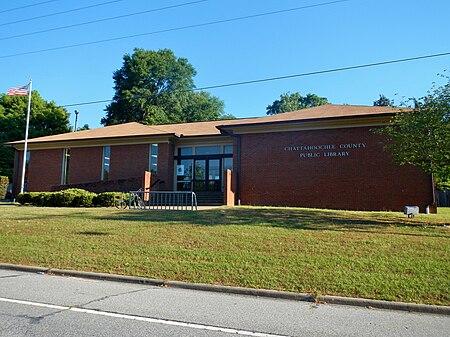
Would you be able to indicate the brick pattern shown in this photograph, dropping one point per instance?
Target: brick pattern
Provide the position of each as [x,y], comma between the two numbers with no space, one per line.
[119,185]
[129,161]
[127,166]
[18,155]
[165,166]
[45,169]
[366,179]
[85,165]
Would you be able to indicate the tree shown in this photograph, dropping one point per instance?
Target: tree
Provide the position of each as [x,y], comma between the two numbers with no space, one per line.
[291,102]
[84,127]
[383,101]
[420,136]
[45,119]
[156,87]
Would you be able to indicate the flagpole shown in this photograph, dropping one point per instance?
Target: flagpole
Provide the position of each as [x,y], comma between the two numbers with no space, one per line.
[25,149]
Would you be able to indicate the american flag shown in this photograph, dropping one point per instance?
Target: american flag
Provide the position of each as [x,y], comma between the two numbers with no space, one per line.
[20,91]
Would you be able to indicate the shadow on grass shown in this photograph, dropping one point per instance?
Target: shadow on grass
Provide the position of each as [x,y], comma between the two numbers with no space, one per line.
[93,233]
[290,218]
[305,219]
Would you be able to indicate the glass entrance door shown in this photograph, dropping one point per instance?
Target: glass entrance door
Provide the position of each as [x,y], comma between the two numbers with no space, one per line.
[207,175]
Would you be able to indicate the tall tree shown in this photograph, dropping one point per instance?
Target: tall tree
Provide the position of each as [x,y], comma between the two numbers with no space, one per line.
[45,119]
[421,135]
[383,101]
[295,101]
[156,87]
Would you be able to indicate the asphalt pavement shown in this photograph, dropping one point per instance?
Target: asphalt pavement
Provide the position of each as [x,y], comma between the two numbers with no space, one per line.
[38,304]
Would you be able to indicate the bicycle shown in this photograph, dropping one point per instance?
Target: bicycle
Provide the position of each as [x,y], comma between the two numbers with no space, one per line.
[120,201]
[129,200]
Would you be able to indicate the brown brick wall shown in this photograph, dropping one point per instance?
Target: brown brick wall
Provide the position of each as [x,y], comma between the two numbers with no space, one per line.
[18,155]
[165,166]
[44,170]
[129,161]
[120,185]
[128,164]
[366,179]
[85,164]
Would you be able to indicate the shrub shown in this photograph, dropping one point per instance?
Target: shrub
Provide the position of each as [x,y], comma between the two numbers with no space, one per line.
[66,198]
[24,198]
[4,181]
[105,199]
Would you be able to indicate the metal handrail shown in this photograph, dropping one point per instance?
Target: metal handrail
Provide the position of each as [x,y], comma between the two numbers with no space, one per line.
[167,200]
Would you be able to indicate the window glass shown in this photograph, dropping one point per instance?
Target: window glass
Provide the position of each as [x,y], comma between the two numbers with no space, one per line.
[154,158]
[200,169]
[228,149]
[202,150]
[186,151]
[106,162]
[184,175]
[214,169]
[65,167]
[227,163]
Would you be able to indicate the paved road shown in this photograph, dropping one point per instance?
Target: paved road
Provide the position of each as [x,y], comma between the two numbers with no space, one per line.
[42,305]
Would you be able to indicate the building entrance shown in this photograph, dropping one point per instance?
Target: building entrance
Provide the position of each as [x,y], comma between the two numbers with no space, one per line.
[207,175]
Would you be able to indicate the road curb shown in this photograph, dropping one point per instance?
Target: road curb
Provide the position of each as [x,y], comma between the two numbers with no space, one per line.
[31,269]
[325,299]
[380,304]
[106,277]
[242,291]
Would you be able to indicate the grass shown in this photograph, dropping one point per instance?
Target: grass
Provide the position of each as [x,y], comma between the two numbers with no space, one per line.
[379,255]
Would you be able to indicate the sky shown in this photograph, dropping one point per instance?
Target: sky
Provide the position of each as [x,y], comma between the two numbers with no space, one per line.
[302,37]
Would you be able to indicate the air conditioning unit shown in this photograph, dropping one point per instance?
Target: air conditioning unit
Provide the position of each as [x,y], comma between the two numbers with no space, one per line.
[410,211]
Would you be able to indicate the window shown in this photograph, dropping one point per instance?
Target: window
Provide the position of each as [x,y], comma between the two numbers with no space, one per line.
[106,162]
[153,158]
[186,151]
[184,175]
[65,167]
[199,150]
[228,149]
[228,163]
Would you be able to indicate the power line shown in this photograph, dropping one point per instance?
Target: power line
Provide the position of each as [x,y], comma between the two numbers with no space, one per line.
[318,72]
[59,13]
[175,29]
[32,5]
[102,20]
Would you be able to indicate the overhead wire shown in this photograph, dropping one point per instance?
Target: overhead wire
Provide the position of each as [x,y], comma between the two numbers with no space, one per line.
[240,18]
[102,20]
[59,13]
[26,6]
[318,72]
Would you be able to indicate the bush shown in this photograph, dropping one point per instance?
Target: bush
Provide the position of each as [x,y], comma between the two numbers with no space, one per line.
[73,197]
[4,181]
[105,199]
[24,198]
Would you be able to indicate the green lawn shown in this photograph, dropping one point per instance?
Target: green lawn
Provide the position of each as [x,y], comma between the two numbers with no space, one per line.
[380,255]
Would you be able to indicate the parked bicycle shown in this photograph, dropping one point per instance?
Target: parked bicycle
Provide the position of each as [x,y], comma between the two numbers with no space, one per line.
[131,200]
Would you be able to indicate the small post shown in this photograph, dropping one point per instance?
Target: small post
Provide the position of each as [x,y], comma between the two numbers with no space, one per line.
[76,120]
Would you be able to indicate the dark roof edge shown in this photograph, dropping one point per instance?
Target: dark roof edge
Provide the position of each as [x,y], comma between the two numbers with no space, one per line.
[387,114]
[20,142]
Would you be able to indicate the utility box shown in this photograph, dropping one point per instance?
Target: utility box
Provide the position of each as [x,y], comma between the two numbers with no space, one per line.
[410,211]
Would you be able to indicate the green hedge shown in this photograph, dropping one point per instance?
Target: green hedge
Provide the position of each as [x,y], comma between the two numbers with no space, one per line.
[73,197]
[4,181]
[105,199]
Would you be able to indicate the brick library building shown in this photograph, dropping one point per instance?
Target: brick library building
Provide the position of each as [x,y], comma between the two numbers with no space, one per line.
[322,157]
